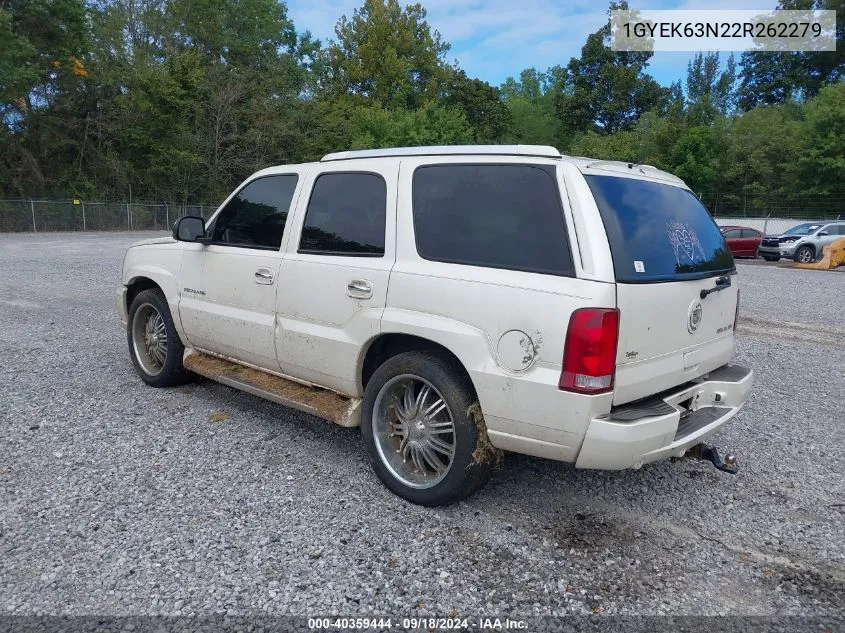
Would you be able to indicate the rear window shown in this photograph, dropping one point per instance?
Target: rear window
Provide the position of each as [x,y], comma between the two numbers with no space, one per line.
[497,216]
[658,232]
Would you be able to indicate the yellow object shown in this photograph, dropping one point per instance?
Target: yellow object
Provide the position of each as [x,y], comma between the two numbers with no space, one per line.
[833,255]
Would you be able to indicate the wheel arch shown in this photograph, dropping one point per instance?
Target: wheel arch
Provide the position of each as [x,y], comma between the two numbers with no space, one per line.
[389,344]
[140,276]
[136,286]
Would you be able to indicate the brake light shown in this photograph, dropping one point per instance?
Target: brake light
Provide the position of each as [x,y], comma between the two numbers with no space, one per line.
[589,355]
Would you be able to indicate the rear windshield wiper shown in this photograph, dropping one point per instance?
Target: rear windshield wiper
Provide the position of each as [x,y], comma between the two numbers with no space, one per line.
[721,283]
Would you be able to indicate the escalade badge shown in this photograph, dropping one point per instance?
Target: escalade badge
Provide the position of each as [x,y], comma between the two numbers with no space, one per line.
[694,318]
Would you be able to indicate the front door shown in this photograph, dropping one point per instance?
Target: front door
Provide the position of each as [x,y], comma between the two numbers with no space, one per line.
[228,287]
[333,278]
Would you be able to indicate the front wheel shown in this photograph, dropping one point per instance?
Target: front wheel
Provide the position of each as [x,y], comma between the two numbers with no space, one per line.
[423,431]
[805,255]
[154,344]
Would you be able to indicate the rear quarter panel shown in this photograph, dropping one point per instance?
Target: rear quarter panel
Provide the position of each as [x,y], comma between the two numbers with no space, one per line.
[469,309]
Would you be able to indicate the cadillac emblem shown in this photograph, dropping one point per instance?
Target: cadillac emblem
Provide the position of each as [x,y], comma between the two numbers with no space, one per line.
[694,317]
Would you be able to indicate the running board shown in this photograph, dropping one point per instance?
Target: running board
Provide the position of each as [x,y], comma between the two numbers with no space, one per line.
[322,403]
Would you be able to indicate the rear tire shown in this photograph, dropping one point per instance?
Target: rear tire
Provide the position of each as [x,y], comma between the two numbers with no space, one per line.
[771,258]
[419,431]
[805,255]
[154,344]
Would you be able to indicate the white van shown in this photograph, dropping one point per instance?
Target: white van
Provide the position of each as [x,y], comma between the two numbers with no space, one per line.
[455,302]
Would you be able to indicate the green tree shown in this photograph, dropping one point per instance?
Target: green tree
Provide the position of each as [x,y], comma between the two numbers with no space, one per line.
[607,91]
[430,125]
[481,105]
[388,54]
[42,46]
[531,102]
[769,78]
[821,159]
[709,92]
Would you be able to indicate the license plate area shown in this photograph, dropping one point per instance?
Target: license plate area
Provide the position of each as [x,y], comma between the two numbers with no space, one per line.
[685,407]
[686,402]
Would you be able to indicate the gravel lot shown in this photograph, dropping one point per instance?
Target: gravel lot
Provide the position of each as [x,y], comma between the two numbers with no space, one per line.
[120,499]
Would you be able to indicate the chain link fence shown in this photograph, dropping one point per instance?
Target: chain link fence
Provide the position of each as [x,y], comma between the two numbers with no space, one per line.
[80,215]
[768,226]
[768,213]
[776,205]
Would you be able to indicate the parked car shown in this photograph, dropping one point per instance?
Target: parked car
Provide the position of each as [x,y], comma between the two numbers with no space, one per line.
[742,240]
[455,302]
[803,242]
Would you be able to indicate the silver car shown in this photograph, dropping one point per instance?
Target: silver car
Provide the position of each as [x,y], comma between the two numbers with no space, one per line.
[803,243]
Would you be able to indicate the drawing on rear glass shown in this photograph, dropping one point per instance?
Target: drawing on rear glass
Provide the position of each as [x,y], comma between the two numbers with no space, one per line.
[684,242]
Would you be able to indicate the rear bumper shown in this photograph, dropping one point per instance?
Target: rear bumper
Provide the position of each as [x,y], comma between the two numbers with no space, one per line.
[653,429]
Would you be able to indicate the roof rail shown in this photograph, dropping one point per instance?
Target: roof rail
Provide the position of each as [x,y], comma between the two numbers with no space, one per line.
[545,151]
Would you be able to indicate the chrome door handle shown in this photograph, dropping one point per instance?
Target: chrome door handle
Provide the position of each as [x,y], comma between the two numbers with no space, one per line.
[359,289]
[264,276]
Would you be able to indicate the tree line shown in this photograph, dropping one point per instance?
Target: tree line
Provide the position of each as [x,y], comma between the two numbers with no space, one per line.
[182,99]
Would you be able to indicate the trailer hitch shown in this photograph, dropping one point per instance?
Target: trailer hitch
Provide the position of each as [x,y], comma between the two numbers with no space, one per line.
[709,453]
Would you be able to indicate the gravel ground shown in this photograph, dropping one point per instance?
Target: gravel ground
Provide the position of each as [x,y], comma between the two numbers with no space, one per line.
[120,499]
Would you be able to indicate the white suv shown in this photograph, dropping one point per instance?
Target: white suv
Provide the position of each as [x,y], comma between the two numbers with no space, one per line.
[455,302]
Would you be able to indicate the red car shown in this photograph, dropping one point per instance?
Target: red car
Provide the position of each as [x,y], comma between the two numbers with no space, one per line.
[742,241]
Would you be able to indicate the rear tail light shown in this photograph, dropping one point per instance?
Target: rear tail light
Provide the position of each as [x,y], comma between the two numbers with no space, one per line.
[589,355]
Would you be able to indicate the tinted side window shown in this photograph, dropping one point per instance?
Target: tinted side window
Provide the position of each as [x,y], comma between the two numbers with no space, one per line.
[256,216]
[732,234]
[346,215]
[499,216]
[836,229]
[750,233]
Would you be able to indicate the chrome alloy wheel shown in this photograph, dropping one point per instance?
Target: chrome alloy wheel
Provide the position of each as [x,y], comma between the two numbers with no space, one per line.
[149,339]
[414,431]
[805,255]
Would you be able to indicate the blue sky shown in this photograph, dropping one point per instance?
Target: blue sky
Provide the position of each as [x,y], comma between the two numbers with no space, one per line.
[495,39]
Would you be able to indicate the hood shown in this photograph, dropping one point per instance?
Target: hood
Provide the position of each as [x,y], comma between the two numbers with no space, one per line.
[783,237]
[155,240]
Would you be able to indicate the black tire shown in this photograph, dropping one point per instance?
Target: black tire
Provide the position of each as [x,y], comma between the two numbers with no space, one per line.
[465,475]
[770,258]
[171,372]
[809,251]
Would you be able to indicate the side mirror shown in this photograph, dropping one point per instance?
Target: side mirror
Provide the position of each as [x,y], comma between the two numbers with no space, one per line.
[823,233]
[189,228]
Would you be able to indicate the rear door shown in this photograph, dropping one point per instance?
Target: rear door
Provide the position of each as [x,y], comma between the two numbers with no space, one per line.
[751,240]
[333,279]
[676,284]
[733,237]
[834,232]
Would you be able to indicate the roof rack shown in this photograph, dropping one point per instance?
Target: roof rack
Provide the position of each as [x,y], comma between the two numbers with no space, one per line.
[621,165]
[545,151]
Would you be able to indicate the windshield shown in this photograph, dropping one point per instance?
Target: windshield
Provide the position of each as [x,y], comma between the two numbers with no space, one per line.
[658,232]
[803,229]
